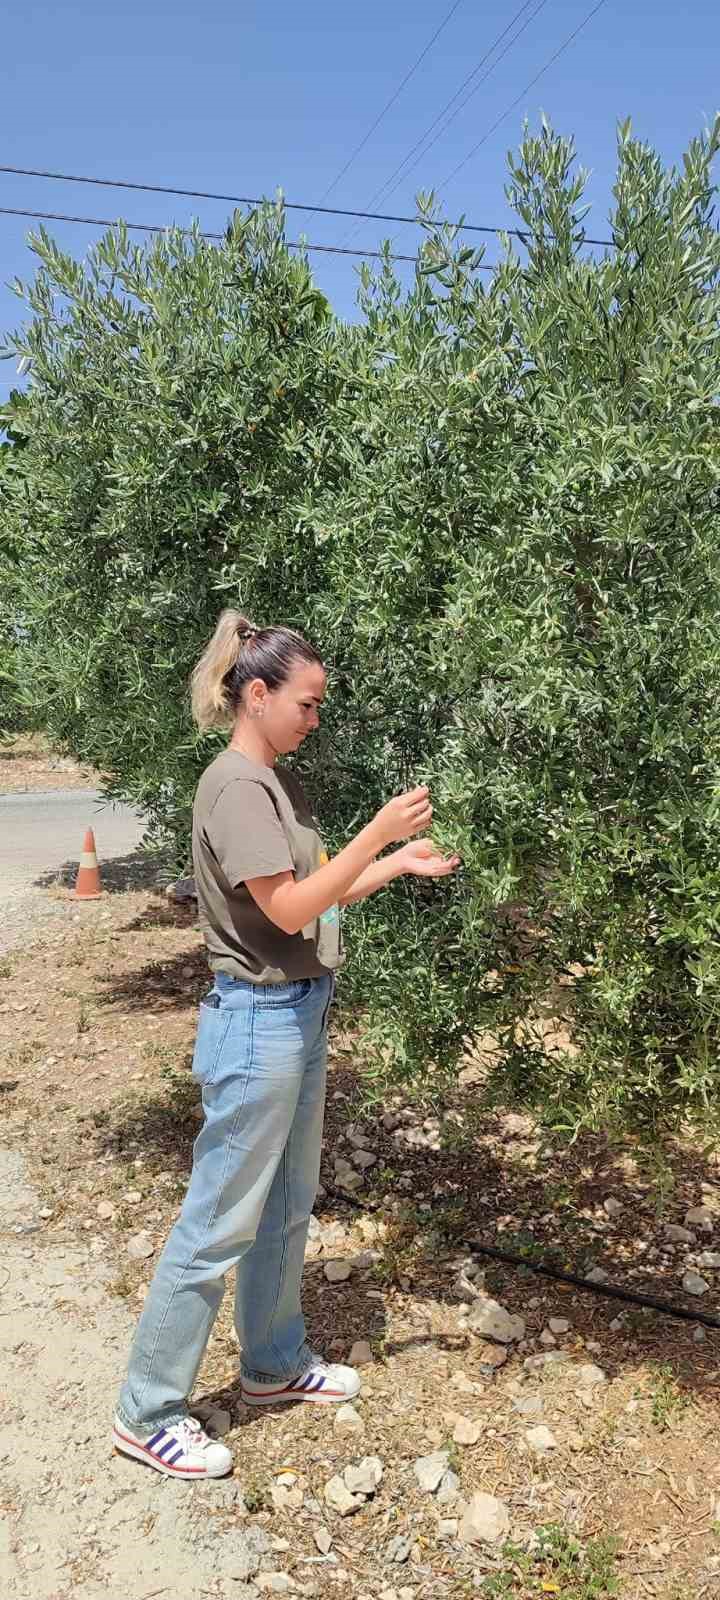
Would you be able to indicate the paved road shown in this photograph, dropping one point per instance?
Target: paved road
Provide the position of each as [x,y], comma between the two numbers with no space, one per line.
[41,836]
[43,833]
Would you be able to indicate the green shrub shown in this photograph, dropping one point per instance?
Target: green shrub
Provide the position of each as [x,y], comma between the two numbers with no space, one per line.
[494,504]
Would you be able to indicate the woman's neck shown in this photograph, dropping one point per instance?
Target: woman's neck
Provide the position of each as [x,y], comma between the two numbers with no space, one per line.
[249,741]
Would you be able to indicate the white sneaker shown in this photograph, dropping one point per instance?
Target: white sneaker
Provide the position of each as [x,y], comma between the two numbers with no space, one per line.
[322,1383]
[182,1450]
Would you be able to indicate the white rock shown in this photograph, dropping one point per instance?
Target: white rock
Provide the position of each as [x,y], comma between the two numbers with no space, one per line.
[361,1354]
[430,1470]
[449,1489]
[273,1582]
[598,1275]
[540,1439]
[46,1213]
[559,1325]
[323,1540]
[339,1498]
[678,1235]
[447,1528]
[546,1359]
[709,1258]
[139,1247]
[612,1207]
[346,1176]
[461,1381]
[529,1405]
[285,1499]
[365,1159]
[700,1217]
[347,1419]
[365,1477]
[492,1321]
[548,1338]
[106,1211]
[337,1271]
[467,1288]
[133,1197]
[587,1375]
[699,1336]
[485,1520]
[467,1430]
[693,1284]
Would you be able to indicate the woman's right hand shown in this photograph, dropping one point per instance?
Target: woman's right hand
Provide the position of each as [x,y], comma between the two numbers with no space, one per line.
[403,817]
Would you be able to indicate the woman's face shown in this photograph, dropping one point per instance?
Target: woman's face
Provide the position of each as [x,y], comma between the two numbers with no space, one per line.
[291,712]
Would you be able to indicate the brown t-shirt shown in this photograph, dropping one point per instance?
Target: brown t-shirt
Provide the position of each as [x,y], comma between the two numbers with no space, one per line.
[251,821]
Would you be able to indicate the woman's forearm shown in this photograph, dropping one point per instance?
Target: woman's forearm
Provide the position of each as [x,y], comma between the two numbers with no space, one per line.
[292,905]
[374,877]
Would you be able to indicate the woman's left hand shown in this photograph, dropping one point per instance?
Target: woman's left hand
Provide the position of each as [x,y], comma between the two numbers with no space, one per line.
[422,858]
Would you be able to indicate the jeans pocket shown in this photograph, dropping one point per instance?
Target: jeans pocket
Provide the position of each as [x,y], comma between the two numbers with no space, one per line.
[213,1024]
[329,1006]
[275,996]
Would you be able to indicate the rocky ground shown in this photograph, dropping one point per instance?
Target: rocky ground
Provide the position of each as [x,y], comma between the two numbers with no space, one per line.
[27,763]
[513,1437]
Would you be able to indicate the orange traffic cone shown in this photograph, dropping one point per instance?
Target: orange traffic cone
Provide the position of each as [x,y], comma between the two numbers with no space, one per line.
[87,886]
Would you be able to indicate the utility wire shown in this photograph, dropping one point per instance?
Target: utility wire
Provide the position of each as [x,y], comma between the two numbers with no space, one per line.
[391,101]
[398,175]
[146,227]
[562,48]
[246,200]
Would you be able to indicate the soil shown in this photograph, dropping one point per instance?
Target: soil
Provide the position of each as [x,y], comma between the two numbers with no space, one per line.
[96,1028]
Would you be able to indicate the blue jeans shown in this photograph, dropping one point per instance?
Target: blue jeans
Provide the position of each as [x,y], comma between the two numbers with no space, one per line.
[260,1056]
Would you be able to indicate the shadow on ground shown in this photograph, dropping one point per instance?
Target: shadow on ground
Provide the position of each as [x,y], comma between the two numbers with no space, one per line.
[118,873]
[486,1184]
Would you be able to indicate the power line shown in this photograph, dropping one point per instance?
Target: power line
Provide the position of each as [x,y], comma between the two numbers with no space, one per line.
[391,101]
[389,186]
[246,200]
[564,46]
[146,227]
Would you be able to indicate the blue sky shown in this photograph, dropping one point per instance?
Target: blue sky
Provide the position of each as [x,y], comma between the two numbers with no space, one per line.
[244,97]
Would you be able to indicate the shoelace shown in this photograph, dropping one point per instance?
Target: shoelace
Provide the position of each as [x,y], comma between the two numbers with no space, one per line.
[191,1433]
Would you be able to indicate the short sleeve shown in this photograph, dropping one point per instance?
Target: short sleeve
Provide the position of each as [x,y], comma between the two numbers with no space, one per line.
[245,833]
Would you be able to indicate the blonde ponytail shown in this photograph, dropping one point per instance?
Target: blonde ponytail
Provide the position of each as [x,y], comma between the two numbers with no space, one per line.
[210,698]
[237,653]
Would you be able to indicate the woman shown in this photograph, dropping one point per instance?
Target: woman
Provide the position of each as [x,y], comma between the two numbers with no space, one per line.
[269,904]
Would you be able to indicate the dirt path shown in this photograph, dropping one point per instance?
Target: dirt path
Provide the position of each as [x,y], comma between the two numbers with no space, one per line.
[77,1520]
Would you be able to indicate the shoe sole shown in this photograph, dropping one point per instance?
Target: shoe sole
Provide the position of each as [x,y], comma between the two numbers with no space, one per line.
[138,1452]
[283,1398]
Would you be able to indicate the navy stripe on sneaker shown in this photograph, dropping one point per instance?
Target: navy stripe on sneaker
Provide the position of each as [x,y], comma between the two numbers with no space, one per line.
[168,1445]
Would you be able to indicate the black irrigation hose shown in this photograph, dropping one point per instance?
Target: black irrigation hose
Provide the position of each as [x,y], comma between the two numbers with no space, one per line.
[609,1290]
[544,1270]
